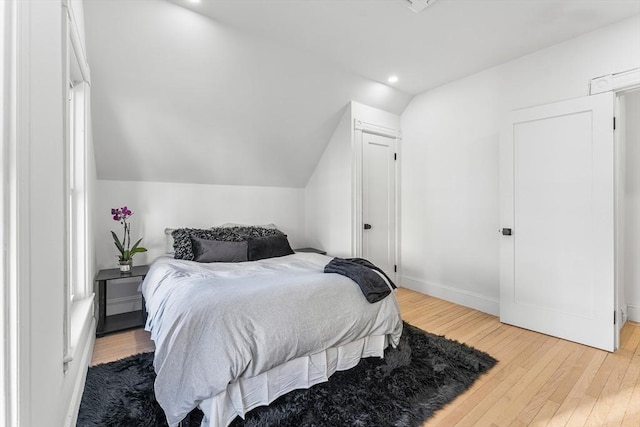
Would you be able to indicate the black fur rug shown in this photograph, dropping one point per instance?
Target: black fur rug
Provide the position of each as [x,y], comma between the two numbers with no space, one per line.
[414,380]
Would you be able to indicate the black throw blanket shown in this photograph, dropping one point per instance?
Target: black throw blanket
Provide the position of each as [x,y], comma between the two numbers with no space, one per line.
[361,271]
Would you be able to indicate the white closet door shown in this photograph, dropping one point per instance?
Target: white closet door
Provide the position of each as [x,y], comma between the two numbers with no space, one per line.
[378,201]
[557,197]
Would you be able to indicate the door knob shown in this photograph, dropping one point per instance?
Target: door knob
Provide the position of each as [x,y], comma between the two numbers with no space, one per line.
[367,226]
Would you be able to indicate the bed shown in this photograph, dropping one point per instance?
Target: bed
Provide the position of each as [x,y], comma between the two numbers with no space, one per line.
[231,336]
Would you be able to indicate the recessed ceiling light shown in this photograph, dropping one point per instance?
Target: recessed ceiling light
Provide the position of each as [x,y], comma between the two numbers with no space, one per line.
[392,79]
[419,5]
[194,1]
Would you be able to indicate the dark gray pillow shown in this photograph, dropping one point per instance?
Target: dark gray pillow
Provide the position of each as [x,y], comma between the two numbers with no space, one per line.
[182,237]
[205,250]
[268,247]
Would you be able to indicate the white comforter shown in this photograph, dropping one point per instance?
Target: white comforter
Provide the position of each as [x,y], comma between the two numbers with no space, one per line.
[213,323]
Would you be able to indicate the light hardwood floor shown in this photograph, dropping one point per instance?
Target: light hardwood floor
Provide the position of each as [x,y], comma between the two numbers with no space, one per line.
[539,380]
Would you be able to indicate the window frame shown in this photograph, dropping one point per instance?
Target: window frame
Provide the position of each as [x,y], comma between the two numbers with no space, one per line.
[78,289]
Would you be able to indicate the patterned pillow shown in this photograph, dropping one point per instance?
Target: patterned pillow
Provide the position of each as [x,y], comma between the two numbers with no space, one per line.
[182,237]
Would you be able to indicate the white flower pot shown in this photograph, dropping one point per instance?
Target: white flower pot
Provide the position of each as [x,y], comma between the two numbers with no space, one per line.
[125,266]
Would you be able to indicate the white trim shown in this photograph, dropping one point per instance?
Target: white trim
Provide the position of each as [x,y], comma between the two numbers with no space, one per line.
[458,296]
[8,319]
[87,338]
[74,35]
[356,191]
[619,224]
[67,56]
[376,129]
[617,82]
[124,304]
[85,212]
[81,316]
[20,211]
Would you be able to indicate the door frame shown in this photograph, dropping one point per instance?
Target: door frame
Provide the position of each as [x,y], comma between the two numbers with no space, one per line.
[360,128]
[618,83]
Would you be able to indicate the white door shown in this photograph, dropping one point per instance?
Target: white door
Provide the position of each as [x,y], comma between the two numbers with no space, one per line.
[378,201]
[557,197]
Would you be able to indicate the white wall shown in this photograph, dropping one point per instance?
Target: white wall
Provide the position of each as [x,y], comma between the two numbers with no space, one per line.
[158,205]
[329,194]
[450,211]
[46,394]
[631,128]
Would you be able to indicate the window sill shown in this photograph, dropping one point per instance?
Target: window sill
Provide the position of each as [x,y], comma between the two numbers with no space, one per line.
[81,318]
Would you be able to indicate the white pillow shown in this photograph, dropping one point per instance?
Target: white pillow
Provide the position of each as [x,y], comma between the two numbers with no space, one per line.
[168,241]
[231,224]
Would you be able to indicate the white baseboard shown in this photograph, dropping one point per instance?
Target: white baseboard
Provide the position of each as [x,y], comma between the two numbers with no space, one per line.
[454,295]
[124,304]
[633,313]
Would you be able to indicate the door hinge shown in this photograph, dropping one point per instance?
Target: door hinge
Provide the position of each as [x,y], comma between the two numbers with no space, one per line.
[395,268]
[614,317]
[395,156]
[614,123]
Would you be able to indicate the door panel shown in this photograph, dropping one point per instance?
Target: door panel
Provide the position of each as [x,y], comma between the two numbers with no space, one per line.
[378,201]
[557,194]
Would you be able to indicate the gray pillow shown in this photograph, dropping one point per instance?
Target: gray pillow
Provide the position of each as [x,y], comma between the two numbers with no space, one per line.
[268,247]
[205,250]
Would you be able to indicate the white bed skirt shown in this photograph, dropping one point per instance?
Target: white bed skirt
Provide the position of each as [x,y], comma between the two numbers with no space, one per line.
[248,393]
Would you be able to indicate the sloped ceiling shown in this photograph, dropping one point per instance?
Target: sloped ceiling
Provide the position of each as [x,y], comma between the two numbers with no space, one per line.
[243,92]
[179,97]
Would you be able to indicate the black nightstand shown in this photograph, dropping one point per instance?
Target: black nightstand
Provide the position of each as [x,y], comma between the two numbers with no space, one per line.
[312,250]
[117,322]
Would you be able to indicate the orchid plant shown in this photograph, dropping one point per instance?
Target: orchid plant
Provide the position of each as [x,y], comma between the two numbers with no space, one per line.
[127,251]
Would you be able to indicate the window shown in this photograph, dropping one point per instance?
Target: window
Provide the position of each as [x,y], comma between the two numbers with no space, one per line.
[78,289]
[76,189]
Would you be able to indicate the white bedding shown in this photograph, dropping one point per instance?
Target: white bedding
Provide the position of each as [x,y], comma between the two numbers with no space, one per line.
[216,323]
[247,393]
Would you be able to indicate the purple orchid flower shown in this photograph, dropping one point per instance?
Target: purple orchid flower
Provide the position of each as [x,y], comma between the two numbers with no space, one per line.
[126,251]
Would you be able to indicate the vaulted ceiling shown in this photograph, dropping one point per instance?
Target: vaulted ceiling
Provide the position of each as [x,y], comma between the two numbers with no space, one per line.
[249,92]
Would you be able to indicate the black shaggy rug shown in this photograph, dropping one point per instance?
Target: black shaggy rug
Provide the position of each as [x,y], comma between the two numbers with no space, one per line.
[414,380]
